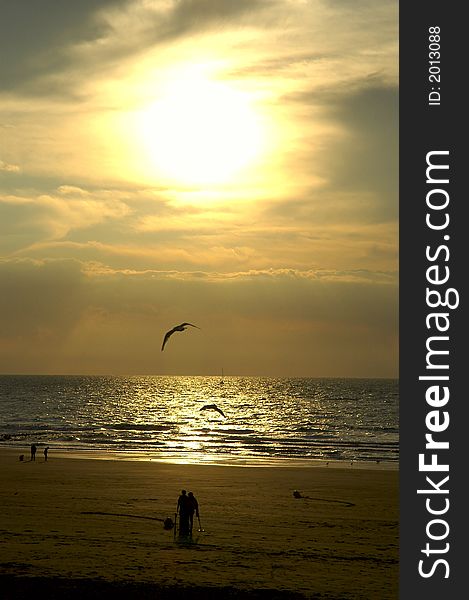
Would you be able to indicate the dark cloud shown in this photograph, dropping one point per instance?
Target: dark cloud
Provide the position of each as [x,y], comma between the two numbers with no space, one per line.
[63,316]
[36,37]
[40,296]
[34,34]
[369,161]
[360,168]
[188,15]
[20,226]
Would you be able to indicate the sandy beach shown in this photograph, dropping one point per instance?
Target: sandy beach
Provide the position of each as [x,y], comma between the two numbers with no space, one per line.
[80,527]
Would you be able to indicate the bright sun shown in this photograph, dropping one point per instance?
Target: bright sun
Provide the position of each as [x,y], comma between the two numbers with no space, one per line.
[199,131]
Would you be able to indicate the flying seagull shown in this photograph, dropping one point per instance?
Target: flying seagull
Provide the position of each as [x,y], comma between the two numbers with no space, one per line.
[180,327]
[213,407]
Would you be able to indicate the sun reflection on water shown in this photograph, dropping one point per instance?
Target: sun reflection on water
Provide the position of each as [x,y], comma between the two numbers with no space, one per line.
[266,419]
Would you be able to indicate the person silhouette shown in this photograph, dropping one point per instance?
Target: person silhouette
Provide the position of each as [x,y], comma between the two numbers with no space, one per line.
[46,450]
[183,508]
[33,451]
[193,506]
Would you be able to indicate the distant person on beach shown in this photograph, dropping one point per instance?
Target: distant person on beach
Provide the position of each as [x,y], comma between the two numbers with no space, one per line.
[33,451]
[183,508]
[193,506]
[46,450]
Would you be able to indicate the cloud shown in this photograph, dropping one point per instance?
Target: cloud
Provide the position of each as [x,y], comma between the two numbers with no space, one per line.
[369,161]
[355,165]
[43,45]
[9,168]
[97,54]
[292,271]
[30,220]
[66,316]
[50,47]
[141,229]
[189,15]
[34,37]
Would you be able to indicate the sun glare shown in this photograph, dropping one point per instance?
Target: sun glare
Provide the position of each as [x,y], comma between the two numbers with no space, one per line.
[199,131]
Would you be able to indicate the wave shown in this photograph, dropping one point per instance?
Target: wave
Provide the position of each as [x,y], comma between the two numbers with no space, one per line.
[265,417]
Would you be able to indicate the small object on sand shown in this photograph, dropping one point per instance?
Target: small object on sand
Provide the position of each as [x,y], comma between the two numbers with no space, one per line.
[21,457]
[296,494]
[168,523]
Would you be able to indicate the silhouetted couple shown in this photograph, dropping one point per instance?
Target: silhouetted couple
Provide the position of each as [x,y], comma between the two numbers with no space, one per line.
[34,450]
[186,507]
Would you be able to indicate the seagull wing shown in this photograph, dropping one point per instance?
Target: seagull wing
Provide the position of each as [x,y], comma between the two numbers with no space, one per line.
[186,324]
[212,407]
[166,337]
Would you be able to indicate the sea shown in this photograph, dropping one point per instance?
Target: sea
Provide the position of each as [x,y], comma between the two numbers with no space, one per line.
[262,420]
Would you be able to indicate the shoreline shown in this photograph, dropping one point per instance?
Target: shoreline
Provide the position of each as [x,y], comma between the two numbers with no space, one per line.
[228,461]
[98,524]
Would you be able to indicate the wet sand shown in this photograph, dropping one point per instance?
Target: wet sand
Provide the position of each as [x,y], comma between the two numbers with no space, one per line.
[78,527]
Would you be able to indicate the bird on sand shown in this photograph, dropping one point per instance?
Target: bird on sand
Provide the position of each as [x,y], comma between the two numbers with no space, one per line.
[181,327]
[213,407]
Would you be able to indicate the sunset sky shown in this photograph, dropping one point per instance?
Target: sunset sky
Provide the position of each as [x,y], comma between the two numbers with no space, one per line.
[231,163]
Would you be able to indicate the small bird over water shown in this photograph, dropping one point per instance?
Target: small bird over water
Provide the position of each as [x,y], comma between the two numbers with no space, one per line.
[213,407]
[181,327]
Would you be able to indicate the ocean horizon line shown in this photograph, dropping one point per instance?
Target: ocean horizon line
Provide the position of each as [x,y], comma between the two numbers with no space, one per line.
[214,375]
